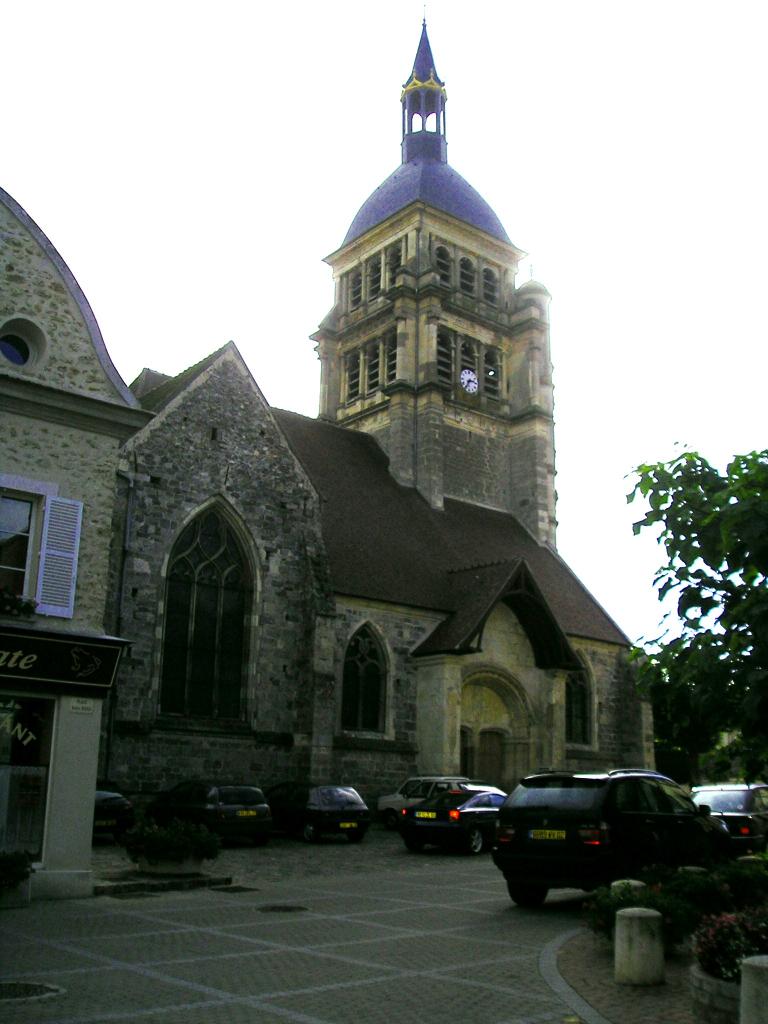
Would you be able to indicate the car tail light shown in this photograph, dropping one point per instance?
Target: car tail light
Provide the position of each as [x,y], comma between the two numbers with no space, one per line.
[592,835]
[454,814]
[504,834]
[745,830]
[404,811]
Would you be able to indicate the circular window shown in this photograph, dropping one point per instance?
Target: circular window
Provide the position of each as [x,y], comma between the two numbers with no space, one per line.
[22,343]
[15,349]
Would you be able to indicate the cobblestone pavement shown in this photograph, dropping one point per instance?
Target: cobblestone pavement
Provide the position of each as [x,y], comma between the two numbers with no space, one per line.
[323,934]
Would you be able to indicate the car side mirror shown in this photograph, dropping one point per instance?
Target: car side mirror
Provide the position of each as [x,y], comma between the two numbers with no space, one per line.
[703,810]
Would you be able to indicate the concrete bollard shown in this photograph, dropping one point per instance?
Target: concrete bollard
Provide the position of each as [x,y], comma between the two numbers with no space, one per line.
[638,955]
[630,883]
[754,990]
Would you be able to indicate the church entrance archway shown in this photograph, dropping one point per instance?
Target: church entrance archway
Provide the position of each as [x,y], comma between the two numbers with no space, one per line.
[495,731]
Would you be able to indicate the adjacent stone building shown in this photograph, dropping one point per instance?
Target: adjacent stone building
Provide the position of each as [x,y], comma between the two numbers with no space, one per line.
[64,412]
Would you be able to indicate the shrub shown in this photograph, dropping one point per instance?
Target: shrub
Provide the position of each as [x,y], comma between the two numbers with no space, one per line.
[722,942]
[15,868]
[679,917]
[178,841]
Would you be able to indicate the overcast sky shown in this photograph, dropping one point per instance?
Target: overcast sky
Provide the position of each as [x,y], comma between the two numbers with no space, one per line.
[194,162]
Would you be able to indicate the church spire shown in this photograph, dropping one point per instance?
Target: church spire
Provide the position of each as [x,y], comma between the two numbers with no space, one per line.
[423,100]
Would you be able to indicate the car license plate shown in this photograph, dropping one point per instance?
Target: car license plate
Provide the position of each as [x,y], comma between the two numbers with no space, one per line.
[546,833]
[425,814]
[105,822]
[347,824]
[247,814]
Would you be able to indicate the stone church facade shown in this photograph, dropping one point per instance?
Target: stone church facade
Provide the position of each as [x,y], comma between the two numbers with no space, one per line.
[377,591]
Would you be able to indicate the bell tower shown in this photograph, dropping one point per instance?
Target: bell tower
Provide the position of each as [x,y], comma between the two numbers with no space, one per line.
[430,345]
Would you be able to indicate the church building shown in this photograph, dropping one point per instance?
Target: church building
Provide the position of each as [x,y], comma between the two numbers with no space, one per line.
[377,591]
[353,598]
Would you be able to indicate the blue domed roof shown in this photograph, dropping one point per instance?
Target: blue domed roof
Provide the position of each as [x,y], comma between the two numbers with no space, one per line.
[432,182]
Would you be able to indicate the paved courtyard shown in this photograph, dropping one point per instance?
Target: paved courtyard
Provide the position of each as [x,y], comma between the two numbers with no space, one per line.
[313,934]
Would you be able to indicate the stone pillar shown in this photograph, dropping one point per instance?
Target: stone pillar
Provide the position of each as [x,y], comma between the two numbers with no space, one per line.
[754,990]
[638,947]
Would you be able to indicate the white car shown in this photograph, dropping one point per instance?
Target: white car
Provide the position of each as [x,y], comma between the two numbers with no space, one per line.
[413,791]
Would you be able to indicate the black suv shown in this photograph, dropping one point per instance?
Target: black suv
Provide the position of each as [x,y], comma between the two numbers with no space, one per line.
[562,830]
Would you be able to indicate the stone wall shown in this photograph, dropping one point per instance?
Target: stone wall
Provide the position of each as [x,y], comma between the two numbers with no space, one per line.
[82,466]
[32,287]
[218,443]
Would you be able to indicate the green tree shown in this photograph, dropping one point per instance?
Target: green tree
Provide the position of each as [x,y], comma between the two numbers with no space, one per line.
[712,676]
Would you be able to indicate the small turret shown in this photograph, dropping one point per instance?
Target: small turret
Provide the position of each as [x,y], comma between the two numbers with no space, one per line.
[423,99]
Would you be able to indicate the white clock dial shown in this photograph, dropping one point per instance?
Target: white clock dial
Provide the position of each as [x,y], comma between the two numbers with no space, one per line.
[468,380]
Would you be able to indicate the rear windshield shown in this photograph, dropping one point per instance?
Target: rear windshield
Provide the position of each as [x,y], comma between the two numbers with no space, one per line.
[452,798]
[247,795]
[562,794]
[722,800]
[335,796]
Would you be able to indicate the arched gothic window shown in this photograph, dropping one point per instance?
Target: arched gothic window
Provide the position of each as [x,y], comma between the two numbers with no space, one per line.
[207,599]
[362,701]
[577,709]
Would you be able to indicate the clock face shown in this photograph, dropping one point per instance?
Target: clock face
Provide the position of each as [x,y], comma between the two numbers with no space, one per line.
[468,380]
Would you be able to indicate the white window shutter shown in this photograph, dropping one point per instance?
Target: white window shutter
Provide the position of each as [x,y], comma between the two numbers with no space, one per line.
[58,557]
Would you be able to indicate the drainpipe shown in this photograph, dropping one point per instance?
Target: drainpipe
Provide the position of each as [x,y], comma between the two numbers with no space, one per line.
[127,530]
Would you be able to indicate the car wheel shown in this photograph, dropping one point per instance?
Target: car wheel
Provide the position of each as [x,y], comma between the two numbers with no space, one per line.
[390,819]
[414,845]
[527,895]
[310,833]
[475,841]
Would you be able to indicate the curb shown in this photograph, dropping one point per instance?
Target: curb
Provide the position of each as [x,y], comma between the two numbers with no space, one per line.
[148,884]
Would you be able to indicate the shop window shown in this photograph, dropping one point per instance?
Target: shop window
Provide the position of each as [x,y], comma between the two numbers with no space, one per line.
[374,277]
[353,376]
[355,289]
[390,349]
[467,276]
[443,264]
[577,709]
[362,707]
[444,356]
[373,366]
[491,375]
[490,286]
[26,730]
[39,546]
[207,600]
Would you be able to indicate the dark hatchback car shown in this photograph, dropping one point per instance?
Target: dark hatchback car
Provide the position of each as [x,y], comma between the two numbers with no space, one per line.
[312,811]
[233,811]
[113,815]
[463,817]
[743,807]
[562,830]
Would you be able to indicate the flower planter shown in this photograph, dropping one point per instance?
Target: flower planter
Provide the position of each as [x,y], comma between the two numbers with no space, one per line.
[190,866]
[714,1001]
[17,896]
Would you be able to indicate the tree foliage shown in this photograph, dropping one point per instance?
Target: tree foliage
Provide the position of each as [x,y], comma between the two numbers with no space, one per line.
[713,676]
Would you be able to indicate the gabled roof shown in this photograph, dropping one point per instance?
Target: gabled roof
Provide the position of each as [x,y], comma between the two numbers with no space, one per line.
[386,543]
[167,388]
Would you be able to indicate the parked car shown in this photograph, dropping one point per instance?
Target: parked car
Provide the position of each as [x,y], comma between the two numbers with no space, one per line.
[744,809]
[463,817]
[311,811]
[569,830]
[232,810]
[113,814]
[413,791]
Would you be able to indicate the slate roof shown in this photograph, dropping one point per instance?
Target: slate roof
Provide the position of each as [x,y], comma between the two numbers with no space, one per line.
[386,543]
[434,183]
